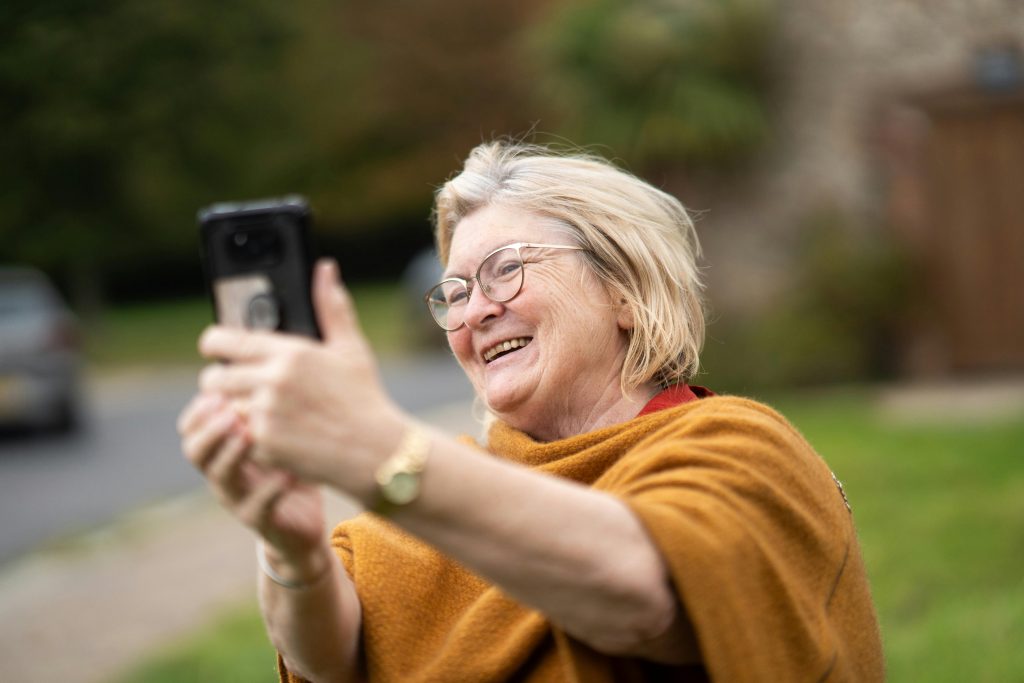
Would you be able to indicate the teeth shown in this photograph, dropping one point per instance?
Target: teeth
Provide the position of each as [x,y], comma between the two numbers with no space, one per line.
[501,347]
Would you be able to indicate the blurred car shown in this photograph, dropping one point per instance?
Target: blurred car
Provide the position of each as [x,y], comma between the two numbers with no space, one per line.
[421,273]
[40,353]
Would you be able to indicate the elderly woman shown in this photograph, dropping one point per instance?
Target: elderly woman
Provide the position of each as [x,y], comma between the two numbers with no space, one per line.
[616,525]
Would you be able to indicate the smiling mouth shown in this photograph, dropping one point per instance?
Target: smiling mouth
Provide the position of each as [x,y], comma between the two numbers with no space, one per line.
[505,348]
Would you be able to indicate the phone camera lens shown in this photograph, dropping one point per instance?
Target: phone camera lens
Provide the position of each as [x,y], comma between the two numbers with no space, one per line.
[253,246]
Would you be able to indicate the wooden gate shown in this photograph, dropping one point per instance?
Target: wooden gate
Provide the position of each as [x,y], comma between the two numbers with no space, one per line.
[957,192]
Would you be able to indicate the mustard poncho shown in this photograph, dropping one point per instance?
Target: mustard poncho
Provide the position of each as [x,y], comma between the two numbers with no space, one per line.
[758,538]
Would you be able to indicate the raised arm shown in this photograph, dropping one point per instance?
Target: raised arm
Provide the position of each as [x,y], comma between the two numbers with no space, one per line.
[311,611]
[578,556]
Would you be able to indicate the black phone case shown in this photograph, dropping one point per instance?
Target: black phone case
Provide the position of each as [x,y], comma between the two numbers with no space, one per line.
[258,261]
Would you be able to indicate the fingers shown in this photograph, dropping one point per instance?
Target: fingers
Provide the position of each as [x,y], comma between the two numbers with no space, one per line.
[257,508]
[199,406]
[233,380]
[216,442]
[201,442]
[219,450]
[234,344]
[335,313]
[222,470]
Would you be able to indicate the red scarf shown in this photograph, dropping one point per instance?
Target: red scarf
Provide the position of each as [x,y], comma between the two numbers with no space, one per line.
[675,395]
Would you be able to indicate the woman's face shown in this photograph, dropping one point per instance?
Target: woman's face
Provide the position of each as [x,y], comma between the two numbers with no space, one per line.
[575,344]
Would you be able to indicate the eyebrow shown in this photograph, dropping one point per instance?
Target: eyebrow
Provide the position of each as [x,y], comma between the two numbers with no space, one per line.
[447,275]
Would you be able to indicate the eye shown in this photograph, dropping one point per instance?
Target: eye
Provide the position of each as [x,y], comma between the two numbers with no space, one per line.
[503,268]
[509,268]
[448,293]
[456,296]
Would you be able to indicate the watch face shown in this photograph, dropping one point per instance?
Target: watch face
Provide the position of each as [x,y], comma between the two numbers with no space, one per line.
[402,488]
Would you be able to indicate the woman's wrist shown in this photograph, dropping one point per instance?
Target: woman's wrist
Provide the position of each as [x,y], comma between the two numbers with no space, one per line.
[295,573]
[389,432]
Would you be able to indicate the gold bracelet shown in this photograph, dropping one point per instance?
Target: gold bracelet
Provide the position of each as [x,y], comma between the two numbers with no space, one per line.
[398,477]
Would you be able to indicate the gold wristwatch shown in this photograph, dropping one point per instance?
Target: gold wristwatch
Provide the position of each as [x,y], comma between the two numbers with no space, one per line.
[398,477]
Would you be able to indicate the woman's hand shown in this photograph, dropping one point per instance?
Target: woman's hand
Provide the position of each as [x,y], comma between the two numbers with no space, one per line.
[315,409]
[286,512]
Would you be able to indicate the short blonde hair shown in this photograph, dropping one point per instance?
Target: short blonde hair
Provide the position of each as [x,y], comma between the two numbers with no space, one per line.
[639,241]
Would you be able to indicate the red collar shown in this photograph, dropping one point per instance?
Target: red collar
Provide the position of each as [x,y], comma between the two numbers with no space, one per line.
[675,395]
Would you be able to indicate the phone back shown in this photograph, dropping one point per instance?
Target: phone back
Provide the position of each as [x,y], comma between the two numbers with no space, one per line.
[257,257]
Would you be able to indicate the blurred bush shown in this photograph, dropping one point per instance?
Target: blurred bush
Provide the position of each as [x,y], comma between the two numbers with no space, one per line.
[659,82]
[121,119]
[839,319]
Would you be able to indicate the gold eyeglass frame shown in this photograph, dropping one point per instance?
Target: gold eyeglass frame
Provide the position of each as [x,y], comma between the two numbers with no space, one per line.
[518,247]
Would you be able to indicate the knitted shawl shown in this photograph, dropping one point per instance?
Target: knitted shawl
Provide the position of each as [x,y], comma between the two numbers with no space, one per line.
[758,538]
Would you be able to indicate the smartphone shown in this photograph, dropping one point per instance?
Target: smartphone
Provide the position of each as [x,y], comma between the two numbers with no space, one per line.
[258,262]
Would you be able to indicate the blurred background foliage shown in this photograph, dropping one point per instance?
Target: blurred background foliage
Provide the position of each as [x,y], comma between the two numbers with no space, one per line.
[838,320]
[121,119]
[660,82]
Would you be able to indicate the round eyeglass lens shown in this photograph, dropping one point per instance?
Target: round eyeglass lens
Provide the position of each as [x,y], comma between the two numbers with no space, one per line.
[501,275]
[441,300]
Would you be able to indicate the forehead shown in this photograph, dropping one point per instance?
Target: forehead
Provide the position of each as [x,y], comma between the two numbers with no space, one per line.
[491,227]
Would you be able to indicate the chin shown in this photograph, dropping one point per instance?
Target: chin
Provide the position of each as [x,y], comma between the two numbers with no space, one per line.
[505,401]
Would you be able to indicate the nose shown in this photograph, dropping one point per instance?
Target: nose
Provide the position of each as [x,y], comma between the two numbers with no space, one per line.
[479,308]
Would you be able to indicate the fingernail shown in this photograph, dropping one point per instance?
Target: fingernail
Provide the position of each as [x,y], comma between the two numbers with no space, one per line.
[330,266]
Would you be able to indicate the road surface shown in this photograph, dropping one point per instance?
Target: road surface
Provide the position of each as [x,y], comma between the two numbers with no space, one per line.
[128,455]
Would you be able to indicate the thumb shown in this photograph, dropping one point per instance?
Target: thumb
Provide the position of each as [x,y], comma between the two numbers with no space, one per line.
[335,313]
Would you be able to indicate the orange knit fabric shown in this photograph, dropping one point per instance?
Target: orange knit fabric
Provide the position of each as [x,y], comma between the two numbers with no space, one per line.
[760,545]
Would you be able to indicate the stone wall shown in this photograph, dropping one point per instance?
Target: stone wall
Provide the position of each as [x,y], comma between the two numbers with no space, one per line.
[839,63]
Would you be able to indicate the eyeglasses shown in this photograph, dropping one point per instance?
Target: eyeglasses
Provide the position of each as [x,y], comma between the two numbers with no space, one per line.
[500,276]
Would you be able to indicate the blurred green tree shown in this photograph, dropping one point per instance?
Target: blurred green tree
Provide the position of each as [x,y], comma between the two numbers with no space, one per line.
[659,81]
[431,79]
[121,118]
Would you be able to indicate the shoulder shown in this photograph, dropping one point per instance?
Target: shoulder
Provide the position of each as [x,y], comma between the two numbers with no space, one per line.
[728,408]
[729,449]
[728,421]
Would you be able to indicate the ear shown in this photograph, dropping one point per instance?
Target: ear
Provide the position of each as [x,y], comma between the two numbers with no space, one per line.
[625,317]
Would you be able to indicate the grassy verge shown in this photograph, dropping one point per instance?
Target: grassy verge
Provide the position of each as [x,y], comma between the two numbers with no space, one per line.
[165,333]
[940,510]
[233,649]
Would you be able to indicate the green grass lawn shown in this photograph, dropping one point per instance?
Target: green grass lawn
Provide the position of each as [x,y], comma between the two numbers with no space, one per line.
[233,649]
[940,510]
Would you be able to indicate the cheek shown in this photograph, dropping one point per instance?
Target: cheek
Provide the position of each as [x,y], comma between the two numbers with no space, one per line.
[461,345]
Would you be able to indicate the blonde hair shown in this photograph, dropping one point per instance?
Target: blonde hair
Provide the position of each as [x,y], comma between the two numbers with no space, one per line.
[639,241]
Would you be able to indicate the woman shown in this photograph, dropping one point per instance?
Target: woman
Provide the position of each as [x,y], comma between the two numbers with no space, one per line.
[630,528]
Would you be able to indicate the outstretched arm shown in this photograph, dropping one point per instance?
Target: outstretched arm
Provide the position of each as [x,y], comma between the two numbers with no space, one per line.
[577,555]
